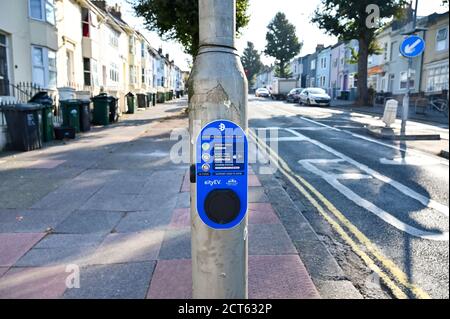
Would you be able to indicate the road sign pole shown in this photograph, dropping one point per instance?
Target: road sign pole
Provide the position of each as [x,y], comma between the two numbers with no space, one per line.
[218,91]
[406,99]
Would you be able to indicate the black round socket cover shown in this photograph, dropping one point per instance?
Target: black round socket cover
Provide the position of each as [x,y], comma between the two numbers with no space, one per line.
[222,206]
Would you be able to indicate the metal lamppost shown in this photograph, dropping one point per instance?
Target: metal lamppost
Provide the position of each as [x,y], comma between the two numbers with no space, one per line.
[217,91]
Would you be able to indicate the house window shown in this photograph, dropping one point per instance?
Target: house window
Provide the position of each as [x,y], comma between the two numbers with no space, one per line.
[86,22]
[404,79]
[114,38]
[114,73]
[385,51]
[143,76]
[437,79]
[142,49]
[43,67]
[43,10]
[87,71]
[442,39]
[313,64]
[133,76]
[132,45]
[391,56]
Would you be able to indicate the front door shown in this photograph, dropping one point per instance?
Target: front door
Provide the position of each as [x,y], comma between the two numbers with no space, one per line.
[4,83]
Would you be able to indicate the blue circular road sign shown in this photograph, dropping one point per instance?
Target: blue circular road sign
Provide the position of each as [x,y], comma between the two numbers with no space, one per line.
[412,46]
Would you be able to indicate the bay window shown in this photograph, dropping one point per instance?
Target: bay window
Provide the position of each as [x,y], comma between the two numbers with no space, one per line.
[43,10]
[43,67]
[437,78]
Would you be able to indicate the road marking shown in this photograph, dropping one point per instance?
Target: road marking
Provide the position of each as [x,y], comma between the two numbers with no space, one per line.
[409,160]
[396,272]
[398,148]
[284,139]
[427,202]
[382,214]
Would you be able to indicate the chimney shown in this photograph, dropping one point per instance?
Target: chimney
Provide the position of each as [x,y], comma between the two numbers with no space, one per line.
[116,11]
[167,56]
[160,51]
[320,47]
[101,4]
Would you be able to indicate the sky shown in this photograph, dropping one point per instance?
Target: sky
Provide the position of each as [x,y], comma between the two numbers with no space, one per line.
[261,12]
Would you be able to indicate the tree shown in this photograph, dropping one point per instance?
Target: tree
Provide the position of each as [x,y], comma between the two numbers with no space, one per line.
[178,19]
[282,43]
[251,60]
[358,19]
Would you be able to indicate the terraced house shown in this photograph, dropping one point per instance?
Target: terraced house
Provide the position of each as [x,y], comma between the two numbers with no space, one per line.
[77,48]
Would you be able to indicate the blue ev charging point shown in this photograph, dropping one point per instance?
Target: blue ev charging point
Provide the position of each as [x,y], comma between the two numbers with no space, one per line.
[222,175]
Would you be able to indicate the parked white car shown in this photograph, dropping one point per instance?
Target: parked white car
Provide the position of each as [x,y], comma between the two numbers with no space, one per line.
[314,96]
[262,92]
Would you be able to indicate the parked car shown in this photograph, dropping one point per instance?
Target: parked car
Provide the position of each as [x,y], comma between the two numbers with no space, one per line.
[262,92]
[294,95]
[315,96]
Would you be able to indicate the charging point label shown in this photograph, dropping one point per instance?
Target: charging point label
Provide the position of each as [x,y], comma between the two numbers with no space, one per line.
[222,174]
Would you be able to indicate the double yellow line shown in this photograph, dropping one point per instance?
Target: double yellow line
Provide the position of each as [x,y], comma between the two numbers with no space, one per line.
[391,275]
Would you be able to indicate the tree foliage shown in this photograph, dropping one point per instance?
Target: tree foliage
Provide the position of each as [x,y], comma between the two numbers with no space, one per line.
[178,19]
[251,60]
[356,19]
[282,43]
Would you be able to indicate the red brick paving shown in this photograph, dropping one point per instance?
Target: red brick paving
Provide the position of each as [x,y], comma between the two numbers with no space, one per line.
[172,279]
[15,246]
[253,181]
[181,218]
[34,283]
[279,277]
[262,213]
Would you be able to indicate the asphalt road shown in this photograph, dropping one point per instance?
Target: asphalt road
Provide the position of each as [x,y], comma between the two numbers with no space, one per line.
[381,207]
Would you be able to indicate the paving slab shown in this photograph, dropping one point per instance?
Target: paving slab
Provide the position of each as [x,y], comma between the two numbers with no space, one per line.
[15,246]
[107,201]
[69,200]
[253,181]
[89,222]
[70,240]
[279,277]
[117,281]
[183,200]
[34,283]
[181,218]
[269,240]
[30,220]
[176,245]
[172,280]
[257,195]
[143,221]
[126,248]
[43,257]
[262,213]
[3,271]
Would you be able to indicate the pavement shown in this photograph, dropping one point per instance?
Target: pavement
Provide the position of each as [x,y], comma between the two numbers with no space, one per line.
[429,116]
[112,207]
[379,207]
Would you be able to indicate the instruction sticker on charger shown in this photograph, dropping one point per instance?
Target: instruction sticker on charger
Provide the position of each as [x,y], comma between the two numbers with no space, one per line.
[222,174]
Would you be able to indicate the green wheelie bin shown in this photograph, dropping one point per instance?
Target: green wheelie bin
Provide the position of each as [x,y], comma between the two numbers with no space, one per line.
[101,109]
[71,114]
[131,105]
[47,127]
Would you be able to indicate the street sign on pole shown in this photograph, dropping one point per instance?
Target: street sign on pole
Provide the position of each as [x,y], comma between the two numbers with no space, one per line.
[412,46]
